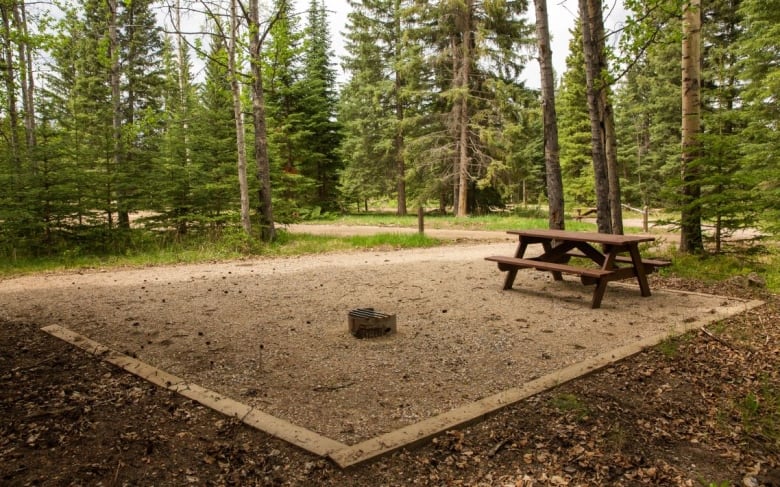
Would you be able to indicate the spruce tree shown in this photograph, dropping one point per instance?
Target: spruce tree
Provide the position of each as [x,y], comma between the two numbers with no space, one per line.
[285,97]
[760,73]
[141,102]
[214,187]
[574,127]
[320,161]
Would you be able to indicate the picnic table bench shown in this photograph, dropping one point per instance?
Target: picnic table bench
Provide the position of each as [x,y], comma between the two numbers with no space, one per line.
[559,246]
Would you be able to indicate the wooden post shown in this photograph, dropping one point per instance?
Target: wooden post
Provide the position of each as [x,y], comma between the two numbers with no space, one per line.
[420,220]
[645,219]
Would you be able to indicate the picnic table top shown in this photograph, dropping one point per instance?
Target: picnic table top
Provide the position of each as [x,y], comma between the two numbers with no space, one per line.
[574,236]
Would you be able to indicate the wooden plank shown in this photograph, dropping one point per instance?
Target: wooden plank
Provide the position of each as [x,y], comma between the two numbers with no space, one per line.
[509,262]
[594,237]
[479,410]
[279,428]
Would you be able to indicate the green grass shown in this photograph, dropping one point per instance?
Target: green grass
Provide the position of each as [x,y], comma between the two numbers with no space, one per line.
[713,268]
[569,403]
[149,248]
[143,251]
[760,412]
[496,222]
[670,346]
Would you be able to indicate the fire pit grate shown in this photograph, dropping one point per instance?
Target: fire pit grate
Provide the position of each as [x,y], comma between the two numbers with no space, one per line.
[367,323]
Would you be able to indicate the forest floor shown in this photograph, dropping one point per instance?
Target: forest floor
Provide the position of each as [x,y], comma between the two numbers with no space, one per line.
[700,409]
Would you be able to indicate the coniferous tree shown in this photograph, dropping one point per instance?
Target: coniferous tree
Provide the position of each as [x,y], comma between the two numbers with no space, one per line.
[141,102]
[214,141]
[172,172]
[727,199]
[473,43]
[759,51]
[320,161]
[649,106]
[285,105]
[379,102]
[576,156]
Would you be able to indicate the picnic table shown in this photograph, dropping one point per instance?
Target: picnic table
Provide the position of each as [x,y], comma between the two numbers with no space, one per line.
[616,257]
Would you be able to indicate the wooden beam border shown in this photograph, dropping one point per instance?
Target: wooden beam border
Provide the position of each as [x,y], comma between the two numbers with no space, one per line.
[348,456]
[279,428]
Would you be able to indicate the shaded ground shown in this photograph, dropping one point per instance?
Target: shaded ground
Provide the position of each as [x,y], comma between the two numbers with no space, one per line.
[697,410]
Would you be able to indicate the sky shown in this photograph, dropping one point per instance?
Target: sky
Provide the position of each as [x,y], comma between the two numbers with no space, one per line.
[561,17]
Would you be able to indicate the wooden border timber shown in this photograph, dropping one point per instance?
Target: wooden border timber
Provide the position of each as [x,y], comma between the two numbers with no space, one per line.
[279,428]
[479,410]
[348,456]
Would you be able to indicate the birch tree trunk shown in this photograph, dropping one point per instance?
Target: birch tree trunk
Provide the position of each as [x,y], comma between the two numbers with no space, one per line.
[265,212]
[551,147]
[690,227]
[238,114]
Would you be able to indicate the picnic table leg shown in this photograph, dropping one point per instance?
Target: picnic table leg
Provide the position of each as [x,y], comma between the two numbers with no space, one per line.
[511,274]
[598,293]
[547,246]
[639,268]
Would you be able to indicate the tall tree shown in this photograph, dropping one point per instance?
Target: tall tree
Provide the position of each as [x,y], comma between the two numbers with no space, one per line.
[727,189]
[285,99]
[576,157]
[141,84]
[760,73]
[551,147]
[321,162]
[257,35]
[690,229]
[214,139]
[385,66]
[238,110]
[476,42]
[649,103]
[609,212]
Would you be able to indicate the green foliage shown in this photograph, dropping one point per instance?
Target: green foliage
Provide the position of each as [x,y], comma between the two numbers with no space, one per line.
[711,268]
[759,69]
[574,128]
[670,346]
[570,403]
[759,411]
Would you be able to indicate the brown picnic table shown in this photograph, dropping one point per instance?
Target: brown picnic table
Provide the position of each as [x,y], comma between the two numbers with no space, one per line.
[616,257]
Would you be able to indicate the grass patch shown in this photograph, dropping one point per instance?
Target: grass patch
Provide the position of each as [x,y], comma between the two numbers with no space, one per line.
[760,413]
[570,403]
[713,268]
[145,251]
[495,222]
[670,346]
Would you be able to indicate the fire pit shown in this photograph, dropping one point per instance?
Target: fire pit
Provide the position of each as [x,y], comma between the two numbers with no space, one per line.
[367,323]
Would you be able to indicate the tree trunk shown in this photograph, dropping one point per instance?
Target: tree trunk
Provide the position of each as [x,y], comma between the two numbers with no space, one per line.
[400,158]
[238,113]
[593,76]
[613,173]
[690,226]
[27,81]
[551,147]
[265,213]
[462,103]
[10,88]
[123,216]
